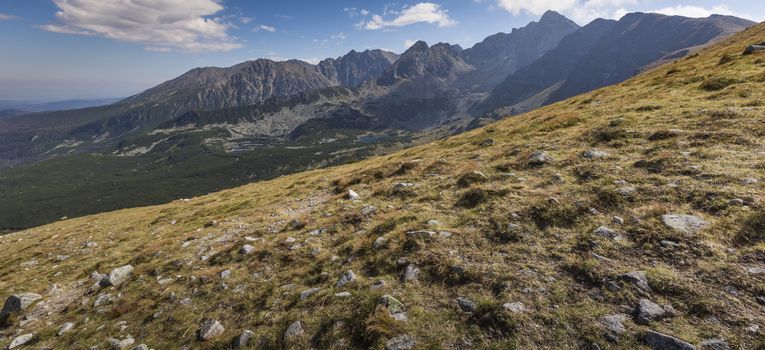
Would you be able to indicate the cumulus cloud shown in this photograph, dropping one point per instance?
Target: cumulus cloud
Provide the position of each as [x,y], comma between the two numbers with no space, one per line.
[5,17]
[581,11]
[424,12]
[698,11]
[161,25]
[264,27]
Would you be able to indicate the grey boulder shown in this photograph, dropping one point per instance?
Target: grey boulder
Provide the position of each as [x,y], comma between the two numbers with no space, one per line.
[659,341]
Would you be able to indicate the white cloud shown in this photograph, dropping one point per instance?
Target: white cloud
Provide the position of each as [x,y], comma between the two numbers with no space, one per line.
[581,11]
[264,27]
[5,17]
[184,25]
[698,11]
[245,19]
[424,12]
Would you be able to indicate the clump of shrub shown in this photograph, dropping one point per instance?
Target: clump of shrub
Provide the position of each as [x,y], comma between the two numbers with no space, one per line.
[753,229]
[725,58]
[471,178]
[495,320]
[717,83]
[553,214]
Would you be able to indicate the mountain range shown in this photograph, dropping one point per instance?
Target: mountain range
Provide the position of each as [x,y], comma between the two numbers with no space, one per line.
[214,128]
[630,217]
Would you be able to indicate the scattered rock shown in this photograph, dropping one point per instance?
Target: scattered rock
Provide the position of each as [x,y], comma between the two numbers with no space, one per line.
[295,329]
[685,224]
[715,344]
[141,347]
[648,311]
[307,293]
[638,278]
[21,341]
[755,271]
[593,154]
[659,341]
[466,305]
[753,329]
[749,181]
[347,277]
[247,249]
[102,300]
[225,274]
[17,303]
[116,344]
[617,220]
[410,273]
[539,158]
[65,328]
[391,304]
[669,244]
[605,232]
[117,276]
[753,48]
[487,143]
[210,329]
[614,323]
[402,342]
[516,307]
[368,210]
[343,294]
[243,339]
[379,243]
[352,195]
[420,234]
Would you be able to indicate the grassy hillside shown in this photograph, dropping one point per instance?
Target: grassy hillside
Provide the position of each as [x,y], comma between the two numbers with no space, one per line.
[555,231]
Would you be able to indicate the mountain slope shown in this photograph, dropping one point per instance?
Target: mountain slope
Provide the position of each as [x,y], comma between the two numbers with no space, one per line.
[605,52]
[616,219]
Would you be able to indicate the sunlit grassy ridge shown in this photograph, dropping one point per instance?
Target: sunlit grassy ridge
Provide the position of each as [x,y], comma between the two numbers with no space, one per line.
[686,138]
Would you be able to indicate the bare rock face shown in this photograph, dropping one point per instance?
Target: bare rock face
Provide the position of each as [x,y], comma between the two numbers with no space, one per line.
[210,329]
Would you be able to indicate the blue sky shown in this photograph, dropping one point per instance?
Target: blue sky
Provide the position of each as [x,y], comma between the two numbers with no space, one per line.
[62,49]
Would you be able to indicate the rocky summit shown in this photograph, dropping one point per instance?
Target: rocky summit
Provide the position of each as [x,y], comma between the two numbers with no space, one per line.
[628,217]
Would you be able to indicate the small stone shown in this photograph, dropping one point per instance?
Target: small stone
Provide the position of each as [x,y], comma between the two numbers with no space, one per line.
[659,341]
[685,224]
[225,274]
[756,270]
[466,305]
[20,341]
[247,249]
[210,329]
[715,344]
[435,223]
[352,195]
[116,344]
[243,339]
[749,181]
[368,210]
[402,342]
[669,244]
[638,278]
[141,347]
[648,311]
[516,307]
[379,243]
[102,300]
[539,158]
[617,220]
[343,294]
[614,323]
[117,276]
[605,232]
[65,328]
[307,293]
[379,284]
[593,154]
[290,240]
[487,143]
[391,304]
[294,330]
[347,277]
[737,202]
[753,329]
[410,273]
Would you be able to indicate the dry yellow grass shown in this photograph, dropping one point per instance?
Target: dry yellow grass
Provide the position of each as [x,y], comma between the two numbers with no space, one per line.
[684,138]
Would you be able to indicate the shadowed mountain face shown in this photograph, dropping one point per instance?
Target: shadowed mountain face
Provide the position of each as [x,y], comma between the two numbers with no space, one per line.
[214,128]
[607,52]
